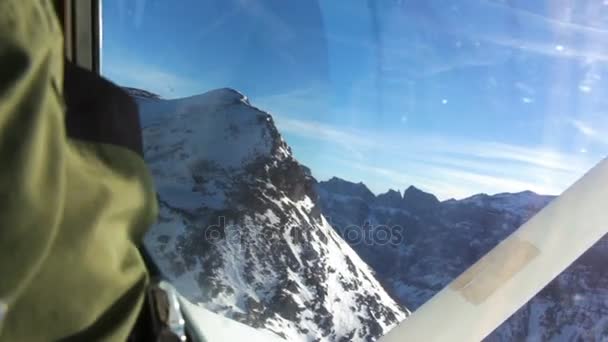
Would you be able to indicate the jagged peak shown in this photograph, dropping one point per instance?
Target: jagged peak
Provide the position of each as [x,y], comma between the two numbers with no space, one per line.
[344,187]
[338,180]
[220,117]
[391,193]
[523,200]
[141,93]
[413,191]
[230,93]
[220,96]
[412,188]
[416,199]
[475,197]
[391,198]
[503,195]
[526,193]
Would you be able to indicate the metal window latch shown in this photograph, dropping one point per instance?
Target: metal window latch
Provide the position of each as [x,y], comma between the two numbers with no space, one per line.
[168,323]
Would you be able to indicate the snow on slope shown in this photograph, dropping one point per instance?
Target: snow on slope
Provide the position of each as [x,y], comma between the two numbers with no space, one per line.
[213,327]
[240,230]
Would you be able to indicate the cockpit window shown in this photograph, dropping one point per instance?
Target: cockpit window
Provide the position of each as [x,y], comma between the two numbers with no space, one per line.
[324,168]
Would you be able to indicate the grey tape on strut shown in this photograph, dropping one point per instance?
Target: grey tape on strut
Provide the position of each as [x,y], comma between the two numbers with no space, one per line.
[494,269]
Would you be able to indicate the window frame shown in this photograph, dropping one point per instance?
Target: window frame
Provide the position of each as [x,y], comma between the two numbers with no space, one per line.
[82,27]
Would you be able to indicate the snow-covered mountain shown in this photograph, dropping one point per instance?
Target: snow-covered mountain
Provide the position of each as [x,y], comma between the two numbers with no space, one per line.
[240,230]
[433,242]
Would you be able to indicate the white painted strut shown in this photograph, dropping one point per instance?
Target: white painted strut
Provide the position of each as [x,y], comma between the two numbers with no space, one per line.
[506,278]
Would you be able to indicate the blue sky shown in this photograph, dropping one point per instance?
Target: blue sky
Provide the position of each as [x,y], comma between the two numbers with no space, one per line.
[455,97]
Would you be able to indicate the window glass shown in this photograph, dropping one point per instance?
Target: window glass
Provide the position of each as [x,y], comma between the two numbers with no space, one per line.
[325,167]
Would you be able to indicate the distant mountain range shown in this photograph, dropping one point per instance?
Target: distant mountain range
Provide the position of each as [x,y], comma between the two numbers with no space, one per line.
[436,241]
[248,233]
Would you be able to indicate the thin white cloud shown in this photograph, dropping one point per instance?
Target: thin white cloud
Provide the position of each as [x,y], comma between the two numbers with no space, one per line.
[547,48]
[485,150]
[584,88]
[401,180]
[313,102]
[584,128]
[525,88]
[152,78]
[589,45]
[593,134]
[396,49]
[282,30]
[538,157]
[554,24]
[209,27]
[448,167]
[356,144]
[492,184]
[398,63]
[447,182]
[311,98]
[320,131]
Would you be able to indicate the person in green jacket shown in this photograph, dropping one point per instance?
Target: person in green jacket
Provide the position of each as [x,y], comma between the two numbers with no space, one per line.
[76,196]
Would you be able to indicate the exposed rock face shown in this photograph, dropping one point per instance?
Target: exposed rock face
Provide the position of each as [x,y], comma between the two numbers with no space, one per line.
[419,201]
[241,232]
[390,199]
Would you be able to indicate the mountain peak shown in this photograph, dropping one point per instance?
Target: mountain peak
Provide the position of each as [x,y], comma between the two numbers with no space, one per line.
[215,98]
[412,189]
[224,171]
[219,126]
[391,199]
[343,187]
[393,191]
[418,200]
[229,93]
[524,201]
[141,93]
